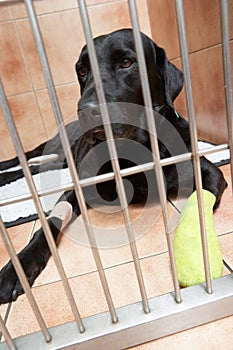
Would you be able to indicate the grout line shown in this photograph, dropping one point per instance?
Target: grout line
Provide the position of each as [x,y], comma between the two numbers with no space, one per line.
[112,2]
[72,9]
[141,258]
[21,48]
[33,90]
[26,64]
[225,233]
[43,89]
[25,17]
[130,261]
[218,44]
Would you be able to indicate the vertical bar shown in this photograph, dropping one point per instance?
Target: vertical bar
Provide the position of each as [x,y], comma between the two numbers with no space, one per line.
[37,203]
[23,280]
[154,143]
[193,133]
[6,335]
[67,150]
[112,149]
[227,76]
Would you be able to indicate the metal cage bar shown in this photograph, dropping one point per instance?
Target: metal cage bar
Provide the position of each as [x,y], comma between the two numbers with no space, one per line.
[154,144]
[164,315]
[112,150]
[38,206]
[67,150]
[136,327]
[23,280]
[193,134]
[227,75]
[110,176]
[7,336]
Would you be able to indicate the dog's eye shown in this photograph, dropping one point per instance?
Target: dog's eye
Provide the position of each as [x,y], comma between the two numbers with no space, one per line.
[126,63]
[82,71]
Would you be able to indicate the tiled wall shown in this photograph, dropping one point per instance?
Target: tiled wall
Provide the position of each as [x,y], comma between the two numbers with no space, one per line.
[63,37]
[205,54]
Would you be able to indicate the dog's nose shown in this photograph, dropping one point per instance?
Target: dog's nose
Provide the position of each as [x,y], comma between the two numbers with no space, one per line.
[90,120]
[91,109]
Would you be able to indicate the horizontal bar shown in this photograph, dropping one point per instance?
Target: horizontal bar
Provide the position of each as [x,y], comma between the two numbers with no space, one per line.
[166,318]
[110,176]
[28,196]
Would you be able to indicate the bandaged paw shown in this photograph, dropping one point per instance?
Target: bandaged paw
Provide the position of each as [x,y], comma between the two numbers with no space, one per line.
[63,211]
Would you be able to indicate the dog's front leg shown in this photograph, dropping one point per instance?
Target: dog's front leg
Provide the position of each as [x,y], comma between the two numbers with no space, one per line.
[35,255]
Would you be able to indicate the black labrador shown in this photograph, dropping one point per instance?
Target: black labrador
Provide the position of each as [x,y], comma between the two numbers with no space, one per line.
[119,72]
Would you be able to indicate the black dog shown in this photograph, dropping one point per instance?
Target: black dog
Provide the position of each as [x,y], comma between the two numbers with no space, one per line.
[120,76]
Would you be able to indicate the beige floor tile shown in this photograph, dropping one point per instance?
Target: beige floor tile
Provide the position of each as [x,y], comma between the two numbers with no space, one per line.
[54,306]
[89,294]
[123,282]
[76,259]
[77,256]
[151,239]
[120,272]
[5,14]
[19,236]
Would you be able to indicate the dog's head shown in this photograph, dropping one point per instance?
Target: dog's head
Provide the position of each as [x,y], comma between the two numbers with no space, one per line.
[122,86]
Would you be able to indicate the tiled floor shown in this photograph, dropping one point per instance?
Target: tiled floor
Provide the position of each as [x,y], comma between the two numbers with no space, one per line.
[80,268]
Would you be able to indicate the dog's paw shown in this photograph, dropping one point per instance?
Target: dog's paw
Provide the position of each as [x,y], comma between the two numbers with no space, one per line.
[10,286]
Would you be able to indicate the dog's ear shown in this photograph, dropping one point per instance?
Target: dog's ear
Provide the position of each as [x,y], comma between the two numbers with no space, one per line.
[171,75]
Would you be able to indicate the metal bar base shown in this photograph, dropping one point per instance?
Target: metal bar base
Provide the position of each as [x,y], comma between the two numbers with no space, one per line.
[136,327]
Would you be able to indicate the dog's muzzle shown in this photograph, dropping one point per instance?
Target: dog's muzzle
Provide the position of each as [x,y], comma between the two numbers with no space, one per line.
[125,121]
